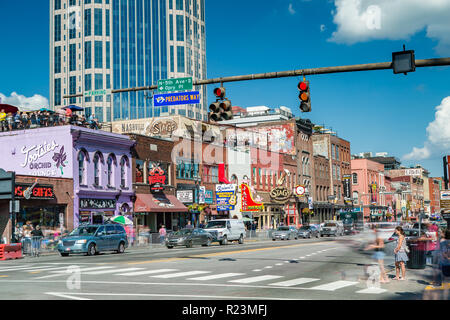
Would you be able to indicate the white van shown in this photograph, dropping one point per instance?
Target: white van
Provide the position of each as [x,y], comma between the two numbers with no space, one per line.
[224,230]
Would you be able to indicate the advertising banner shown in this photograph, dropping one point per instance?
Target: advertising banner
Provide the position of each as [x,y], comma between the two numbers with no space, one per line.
[225,197]
[247,202]
[185,196]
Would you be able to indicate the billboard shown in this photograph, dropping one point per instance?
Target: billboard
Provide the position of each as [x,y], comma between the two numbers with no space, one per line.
[225,197]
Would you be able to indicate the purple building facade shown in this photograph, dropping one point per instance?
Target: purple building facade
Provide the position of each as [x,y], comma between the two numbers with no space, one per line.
[96,163]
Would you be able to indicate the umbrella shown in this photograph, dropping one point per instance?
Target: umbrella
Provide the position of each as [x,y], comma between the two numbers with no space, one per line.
[45,110]
[122,220]
[8,108]
[73,108]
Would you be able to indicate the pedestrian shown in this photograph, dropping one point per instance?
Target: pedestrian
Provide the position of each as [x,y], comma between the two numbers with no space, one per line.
[68,115]
[10,121]
[379,255]
[17,121]
[3,120]
[36,240]
[401,256]
[26,241]
[189,225]
[162,234]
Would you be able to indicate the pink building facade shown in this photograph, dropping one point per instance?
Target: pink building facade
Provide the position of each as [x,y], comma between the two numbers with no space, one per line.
[370,188]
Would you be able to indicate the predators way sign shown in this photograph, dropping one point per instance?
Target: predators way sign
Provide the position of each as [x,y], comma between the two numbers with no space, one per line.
[247,202]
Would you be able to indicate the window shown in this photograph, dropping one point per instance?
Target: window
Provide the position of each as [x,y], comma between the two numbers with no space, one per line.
[123,168]
[110,163]
[87,55]
[73,57]
[57,4]
[107,23]
[97,169]
[355,178]
[57,58]
[355,197]
[333,152]
[82,168]
[98,22]
[87,22]
[57,92]
[73,88]
[98,54]
[180,60]
[87,82]
[180,28]
[57,25]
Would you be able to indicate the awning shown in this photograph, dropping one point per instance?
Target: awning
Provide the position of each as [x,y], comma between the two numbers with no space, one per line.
[158,203]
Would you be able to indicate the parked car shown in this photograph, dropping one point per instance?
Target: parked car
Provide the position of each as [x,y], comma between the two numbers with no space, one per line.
[410,234]
[308,232]
[334,228]
[285,233]
[189,238]
[93,239]
[224,230]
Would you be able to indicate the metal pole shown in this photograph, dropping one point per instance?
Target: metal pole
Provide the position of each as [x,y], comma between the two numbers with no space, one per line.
[295,73]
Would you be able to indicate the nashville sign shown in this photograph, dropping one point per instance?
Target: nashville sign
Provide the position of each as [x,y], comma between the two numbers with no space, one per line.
[280,194]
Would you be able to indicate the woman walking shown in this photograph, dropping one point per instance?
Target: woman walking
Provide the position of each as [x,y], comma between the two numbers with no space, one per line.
[378,255]
[401,255]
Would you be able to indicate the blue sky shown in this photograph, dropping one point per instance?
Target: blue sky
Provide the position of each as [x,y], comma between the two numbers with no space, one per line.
[376,111]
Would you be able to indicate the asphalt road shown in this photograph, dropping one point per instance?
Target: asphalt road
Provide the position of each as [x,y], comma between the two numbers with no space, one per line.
[317,269]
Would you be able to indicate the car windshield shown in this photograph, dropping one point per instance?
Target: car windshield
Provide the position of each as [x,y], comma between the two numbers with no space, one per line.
[283,229]
[83,231]
[330,225]
[182,232]
[216,224]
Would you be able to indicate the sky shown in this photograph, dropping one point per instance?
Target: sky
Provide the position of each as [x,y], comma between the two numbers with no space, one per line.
[377,111]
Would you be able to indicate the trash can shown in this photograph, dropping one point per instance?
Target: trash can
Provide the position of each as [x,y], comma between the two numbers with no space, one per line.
[416,255]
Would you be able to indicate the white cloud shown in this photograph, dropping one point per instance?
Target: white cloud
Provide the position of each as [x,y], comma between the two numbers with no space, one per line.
[291,9]
[25,103]
[365,20]
[438,133]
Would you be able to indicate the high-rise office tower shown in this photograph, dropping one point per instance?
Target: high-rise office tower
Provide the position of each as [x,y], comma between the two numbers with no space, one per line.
[118,44]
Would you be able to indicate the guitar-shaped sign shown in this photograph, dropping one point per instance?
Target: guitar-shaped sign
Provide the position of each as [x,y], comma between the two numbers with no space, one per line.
[27,193]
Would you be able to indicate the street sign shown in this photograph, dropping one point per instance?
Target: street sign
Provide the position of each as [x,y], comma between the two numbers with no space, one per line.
[172,99]
[445,200]
[93,93]
[171,85]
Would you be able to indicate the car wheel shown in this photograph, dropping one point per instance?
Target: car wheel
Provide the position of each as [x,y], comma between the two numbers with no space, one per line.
[309,236]
[273,239]
[189,244]
[92,250]
[121,248]
[207,244]
[169,247]
[224,241]
[63,254]
[241,239]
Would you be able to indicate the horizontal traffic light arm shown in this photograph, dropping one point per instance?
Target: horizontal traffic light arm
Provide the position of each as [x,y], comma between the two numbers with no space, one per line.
[295,73]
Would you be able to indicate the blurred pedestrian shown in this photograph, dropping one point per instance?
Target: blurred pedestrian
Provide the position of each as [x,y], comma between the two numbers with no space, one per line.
[10,121]
[68,115]
[378,247]
[401,256]
[3,124]
[37,240]
[162,234]
[189,225]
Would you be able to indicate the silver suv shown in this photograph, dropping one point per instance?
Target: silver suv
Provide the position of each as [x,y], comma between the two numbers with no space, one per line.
[334,228]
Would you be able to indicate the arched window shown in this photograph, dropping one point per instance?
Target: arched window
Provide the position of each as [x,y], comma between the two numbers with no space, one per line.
[123,172]
[82,159]
[98,160]
[355,178]
[110,167]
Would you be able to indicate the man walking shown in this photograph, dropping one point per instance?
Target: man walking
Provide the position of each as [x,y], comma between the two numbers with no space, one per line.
[162,234]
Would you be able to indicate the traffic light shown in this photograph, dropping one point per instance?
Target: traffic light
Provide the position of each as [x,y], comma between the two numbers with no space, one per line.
[222,108]
[304,96]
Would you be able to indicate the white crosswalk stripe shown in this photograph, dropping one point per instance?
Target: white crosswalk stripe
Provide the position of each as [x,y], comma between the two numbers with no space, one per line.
[294,282]
[59,273]
[255,279]
[40,269]
[146,272]
[334,285]
[217,276]
[112,271]
[22,268]
[179,274]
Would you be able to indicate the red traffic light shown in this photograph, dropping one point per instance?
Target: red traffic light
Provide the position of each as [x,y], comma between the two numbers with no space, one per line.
[219,92]
[303,86]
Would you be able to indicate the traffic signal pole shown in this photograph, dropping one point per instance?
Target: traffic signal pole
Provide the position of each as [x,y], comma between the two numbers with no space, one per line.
[295,73]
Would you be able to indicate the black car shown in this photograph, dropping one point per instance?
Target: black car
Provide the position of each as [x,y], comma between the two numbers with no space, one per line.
[189,238]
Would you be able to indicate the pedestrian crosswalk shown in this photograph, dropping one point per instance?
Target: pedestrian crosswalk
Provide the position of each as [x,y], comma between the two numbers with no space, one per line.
[198,276]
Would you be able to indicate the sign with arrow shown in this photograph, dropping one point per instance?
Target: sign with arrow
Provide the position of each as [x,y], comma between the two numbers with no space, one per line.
[172,99]
[171,85]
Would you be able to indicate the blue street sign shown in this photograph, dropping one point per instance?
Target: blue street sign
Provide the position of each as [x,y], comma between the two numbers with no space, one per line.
[172,99]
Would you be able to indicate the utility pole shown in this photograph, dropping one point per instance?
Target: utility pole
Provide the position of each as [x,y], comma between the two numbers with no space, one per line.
[295,73]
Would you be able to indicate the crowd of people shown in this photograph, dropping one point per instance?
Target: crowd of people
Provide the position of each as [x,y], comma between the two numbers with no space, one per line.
[44,118]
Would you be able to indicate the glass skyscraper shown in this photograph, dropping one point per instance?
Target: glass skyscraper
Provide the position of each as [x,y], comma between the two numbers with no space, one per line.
[118,44]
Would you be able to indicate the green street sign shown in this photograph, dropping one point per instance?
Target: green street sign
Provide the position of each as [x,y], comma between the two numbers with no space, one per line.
[180,84]
[93,93]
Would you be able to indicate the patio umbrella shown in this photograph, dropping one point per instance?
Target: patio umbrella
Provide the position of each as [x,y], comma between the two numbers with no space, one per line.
[73,108]
[122,220]
[8,108]
[45,110]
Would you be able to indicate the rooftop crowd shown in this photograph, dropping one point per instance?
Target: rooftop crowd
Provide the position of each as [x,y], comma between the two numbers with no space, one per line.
[44,118]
